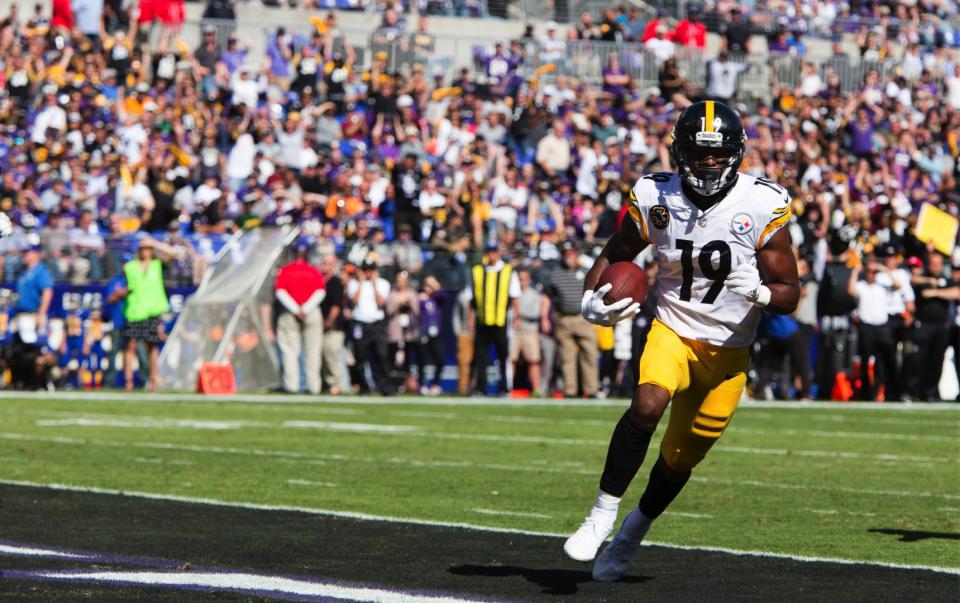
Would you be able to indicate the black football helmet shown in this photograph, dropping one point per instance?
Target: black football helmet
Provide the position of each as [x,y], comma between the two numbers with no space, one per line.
[708,129]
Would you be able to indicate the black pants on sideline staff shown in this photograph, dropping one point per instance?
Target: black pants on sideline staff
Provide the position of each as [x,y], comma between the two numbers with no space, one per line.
[370,345]
[932,340]
[877,341]
[834,353]
[485,336]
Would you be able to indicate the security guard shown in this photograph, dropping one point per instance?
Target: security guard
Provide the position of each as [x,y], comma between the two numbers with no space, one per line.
[494,288]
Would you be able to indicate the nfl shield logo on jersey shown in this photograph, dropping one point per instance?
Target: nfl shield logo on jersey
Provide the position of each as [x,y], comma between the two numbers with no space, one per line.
[741,223]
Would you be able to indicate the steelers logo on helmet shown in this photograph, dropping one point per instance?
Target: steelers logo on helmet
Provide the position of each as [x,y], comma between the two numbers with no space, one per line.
[708,146]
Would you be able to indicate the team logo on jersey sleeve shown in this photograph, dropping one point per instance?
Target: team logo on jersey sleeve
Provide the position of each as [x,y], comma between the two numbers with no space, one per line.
[741,223]
[660,216]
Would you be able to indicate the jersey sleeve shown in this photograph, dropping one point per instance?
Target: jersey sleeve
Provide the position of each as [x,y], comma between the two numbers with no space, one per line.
[775,213]
[642,197]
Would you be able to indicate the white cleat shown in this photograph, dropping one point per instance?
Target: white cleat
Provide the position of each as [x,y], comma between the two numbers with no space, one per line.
[583,545]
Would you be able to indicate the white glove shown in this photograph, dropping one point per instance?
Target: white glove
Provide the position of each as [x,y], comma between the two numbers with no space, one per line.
[745,280]
[596,311]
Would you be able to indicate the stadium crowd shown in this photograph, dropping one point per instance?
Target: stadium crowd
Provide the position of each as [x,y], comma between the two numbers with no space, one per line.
[410,186]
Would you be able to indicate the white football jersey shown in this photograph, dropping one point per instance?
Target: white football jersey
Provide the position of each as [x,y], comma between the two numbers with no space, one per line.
[696,250]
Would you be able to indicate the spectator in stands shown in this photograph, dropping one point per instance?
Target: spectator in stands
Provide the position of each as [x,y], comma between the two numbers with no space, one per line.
[367,295]
[736,34]
[553,151]
[660,21]
[87,243]
[660,46]
[145,303]
[691,32]
[722,77]
[673,88]
[487,315]
[299,289]
[576,338]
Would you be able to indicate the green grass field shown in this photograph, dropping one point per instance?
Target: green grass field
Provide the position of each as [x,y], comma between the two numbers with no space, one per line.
[868,484]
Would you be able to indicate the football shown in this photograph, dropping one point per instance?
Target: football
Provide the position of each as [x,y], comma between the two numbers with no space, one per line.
[628,279]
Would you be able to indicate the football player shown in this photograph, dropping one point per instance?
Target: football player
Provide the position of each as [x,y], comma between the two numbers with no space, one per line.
[723,256]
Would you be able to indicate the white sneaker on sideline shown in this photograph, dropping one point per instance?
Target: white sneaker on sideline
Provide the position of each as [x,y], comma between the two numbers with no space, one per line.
[583,545]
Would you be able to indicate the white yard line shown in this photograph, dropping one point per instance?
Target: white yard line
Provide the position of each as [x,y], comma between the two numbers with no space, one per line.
[510,513]
[159,461]
[257,584]
[324,458]
[466,526]
[782,486]
[26,551]
[690,515]
[306,482]
[837,512]
[846,434]
[445,401]
[861,418]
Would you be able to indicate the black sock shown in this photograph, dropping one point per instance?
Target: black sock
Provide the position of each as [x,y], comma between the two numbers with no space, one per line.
[628,446]
[661,490]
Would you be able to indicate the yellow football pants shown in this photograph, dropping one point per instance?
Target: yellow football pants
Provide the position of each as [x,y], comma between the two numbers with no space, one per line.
[705,383]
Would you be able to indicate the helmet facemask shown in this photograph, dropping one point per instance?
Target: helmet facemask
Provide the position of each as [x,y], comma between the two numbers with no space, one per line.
[705,176]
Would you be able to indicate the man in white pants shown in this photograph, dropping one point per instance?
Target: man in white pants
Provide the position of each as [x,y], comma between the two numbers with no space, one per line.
[300,288]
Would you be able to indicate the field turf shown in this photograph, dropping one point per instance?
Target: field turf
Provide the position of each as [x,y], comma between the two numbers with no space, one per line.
[878,485]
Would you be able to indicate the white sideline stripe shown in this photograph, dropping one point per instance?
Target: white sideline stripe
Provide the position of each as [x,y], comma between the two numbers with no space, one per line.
[511,513]
[444,401]
[466,526]
[353,427]
[690,515]
[306,482]
[25,551]
[846,434]
[243,582]
[949,509]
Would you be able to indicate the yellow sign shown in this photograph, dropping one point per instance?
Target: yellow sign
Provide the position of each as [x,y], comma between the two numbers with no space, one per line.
[938,227]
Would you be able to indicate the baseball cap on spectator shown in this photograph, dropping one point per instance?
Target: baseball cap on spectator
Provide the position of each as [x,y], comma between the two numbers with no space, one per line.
[404,101]
[209,29]
[492,245]
[915,262]
[301,246]
[568,246]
